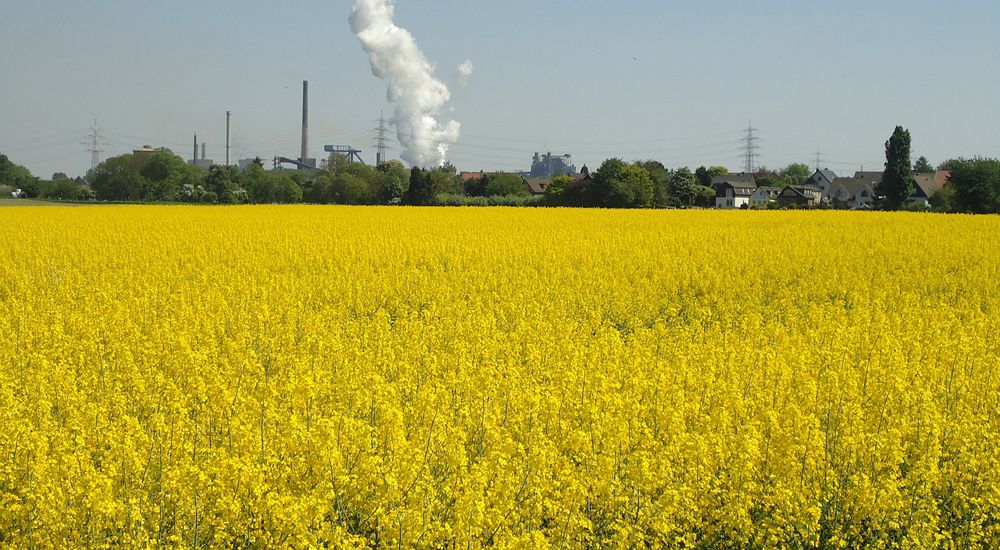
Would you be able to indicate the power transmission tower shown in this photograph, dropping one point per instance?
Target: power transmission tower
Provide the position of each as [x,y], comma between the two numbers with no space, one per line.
[93,145]
[750,148]
[380,139]
[819,159]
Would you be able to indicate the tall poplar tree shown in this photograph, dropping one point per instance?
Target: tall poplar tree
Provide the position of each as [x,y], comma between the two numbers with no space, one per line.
[897,180]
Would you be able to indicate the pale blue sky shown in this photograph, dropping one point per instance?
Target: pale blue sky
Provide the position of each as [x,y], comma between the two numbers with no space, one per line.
[667,80]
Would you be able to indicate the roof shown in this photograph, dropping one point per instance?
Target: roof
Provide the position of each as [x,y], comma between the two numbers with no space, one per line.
[740,189]
[804,191]
[872,177]
[537,185]
[469,176]
[941,178]
[852,186]
[768,191]
[927,184]
[734,179]
[828,175]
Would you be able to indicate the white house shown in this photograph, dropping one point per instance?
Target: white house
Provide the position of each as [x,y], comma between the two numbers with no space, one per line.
[857,192]
[734,194]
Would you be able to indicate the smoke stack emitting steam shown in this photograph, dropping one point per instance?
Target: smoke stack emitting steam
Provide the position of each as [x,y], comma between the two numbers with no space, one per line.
[305,122]
[417,96]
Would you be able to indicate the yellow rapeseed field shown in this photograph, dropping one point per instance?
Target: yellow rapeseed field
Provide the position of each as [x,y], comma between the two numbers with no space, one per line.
[353,377]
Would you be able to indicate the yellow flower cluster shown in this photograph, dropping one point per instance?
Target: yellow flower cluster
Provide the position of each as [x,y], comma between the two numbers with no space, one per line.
[352,377]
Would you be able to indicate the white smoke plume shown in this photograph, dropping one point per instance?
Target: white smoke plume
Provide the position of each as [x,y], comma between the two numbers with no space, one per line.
[465,71]
[417,96]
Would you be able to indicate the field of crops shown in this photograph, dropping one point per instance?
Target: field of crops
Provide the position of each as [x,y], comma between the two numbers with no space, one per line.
[300,376]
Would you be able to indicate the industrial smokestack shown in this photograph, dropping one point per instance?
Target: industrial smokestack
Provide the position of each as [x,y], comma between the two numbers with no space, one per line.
[305,122]
[203,150]
[194,153]
[229,116]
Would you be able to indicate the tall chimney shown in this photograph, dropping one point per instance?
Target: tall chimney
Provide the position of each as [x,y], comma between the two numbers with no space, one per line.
[305,121]
[229,116]
[194,154]
[203,150]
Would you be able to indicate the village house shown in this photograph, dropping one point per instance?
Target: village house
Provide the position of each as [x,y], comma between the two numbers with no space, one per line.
[926,185]
[854,193]
[733,190]
[821,179]
[858,192]
[734,194]
[734,178]
[537,185]
[800,195]
[763,196]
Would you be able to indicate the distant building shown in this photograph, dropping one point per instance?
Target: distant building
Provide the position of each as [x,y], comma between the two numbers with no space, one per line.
[800,195]
[734,193]
[821,179]
[148,150]
[549,165]
[537,185]
[471,176]
[859,191]
[747,179]
[855,192]
[926,185]
[763,196]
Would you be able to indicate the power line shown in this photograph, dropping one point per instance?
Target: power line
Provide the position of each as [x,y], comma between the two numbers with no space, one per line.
[380,139]
[94,145]
[750,148]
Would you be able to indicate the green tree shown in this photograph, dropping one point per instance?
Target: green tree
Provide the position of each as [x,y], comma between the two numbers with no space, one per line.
[922,166]
[630,187]
[795,173]
[684,186]
[944,199]
[119,179]
[704,196]
[350,188]
[598,193]
[660,176]
[897,180]
[286,190]
[476,187]
[976,184]
[420,191]
[319,190]
[706,175]
[224,183]
[356,183]
[62,189]
[444,180]
[17,176]
[950,164]
[163,172]
[396,182]
[556,190]
[505,184]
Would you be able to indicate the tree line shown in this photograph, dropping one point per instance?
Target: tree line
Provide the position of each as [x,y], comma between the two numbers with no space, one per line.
[163,176]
